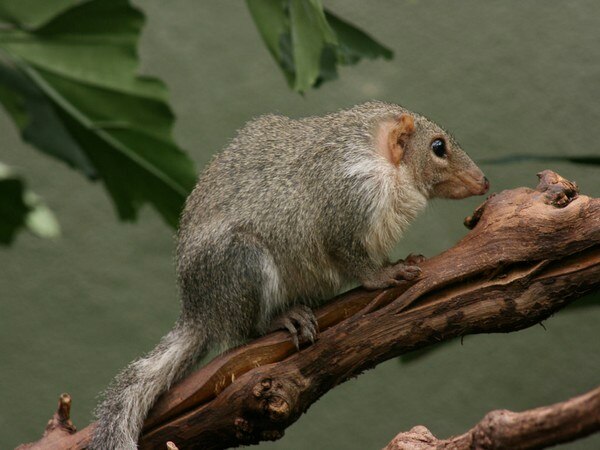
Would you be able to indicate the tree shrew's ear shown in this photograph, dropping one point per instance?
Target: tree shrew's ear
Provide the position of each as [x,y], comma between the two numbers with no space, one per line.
[398,136]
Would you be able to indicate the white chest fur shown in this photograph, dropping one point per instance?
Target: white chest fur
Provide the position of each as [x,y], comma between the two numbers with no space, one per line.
[393,204]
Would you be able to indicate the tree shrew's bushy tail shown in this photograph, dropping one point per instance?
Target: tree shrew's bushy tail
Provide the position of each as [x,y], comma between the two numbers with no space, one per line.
[133,392]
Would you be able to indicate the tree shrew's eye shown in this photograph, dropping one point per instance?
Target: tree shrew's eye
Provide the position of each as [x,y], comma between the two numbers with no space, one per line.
[439,148]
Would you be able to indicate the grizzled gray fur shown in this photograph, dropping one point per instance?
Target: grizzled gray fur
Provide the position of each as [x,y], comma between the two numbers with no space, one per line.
[278,222]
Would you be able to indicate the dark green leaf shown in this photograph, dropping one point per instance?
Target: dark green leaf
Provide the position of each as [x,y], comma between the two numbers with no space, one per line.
[38,120]
[31,13]
[21,208]
[272,21]
[355,44]
[310,34]
[13,209]
[328,65]
[72,87]
[308,42]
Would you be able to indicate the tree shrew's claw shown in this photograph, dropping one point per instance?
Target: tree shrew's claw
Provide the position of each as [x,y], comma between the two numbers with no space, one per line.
[301,323]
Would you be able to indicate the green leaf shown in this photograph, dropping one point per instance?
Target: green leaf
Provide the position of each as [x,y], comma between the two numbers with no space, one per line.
[308,42]
[310,33]
[20,208]
[577,159]
[354,43]
[71,86]
[31,13]
[272,22]
[13,209]
[38,120]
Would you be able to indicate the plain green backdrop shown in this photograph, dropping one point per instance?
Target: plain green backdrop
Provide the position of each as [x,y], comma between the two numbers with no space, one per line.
[504,76]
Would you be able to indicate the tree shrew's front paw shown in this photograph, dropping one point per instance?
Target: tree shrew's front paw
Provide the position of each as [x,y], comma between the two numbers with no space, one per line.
[301,322]
[413,259]
[394,275]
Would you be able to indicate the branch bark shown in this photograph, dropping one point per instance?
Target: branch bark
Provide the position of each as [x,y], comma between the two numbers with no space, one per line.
[502,429]
[530,253]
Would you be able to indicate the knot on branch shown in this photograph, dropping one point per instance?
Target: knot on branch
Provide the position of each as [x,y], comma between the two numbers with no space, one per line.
[246,432]
[268,411]
[484,433]
[271,400]
[417,438]
[471,221]
[558,191]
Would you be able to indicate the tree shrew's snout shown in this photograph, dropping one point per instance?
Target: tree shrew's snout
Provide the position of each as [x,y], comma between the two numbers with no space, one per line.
[475,181]
[462,184]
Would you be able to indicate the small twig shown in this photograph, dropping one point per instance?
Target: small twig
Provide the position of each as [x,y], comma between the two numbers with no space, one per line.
[58,426]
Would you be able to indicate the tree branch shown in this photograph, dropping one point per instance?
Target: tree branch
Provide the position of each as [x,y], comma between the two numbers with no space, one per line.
[530,253]
[502,429]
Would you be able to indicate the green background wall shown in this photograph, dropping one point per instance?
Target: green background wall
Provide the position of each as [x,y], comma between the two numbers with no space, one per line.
[504,76]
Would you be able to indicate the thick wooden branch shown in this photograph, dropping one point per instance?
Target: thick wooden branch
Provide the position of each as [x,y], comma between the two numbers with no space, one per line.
[502,429]
[530,252]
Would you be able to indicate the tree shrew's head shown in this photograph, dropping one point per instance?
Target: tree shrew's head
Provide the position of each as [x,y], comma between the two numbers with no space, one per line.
[439,167]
